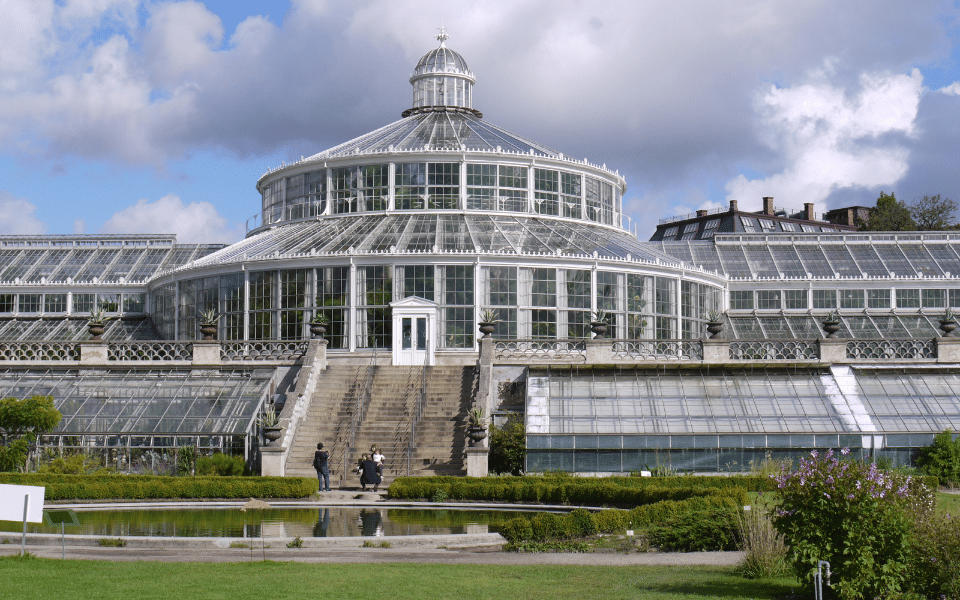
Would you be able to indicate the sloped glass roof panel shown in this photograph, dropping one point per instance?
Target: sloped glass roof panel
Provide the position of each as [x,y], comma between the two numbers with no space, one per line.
[893,257]
[734,262]
[47,265]
[868,260]
[20,265]
[944,255]
[921,260]
[455,235]
[679,250]
[814,260]
[73,329]
[889,327]
[787,261]
[136,401]
[861,327]
[760,261]
[841,261]
[918,326]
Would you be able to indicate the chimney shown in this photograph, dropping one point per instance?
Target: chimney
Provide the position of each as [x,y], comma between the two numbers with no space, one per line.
[808,211]
[702,213]
[768,205]
[733,206]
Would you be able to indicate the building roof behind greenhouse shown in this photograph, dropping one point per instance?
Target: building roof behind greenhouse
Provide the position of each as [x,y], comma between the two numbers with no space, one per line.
[148,402]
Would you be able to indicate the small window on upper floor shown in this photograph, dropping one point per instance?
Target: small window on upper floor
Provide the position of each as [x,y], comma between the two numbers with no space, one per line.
[670,233]
[768,225]
[749,225]
[690,231]
[784,225]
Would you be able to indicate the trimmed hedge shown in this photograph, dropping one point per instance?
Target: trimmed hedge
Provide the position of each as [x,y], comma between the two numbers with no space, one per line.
[137,487]
[607,491]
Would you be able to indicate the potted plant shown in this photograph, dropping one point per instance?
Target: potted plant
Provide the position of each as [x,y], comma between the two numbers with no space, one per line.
[488,321]
[270,423]
[948,323]
[598,323]
[96,324]
[318,325]
[208,323]
[714,323]
[831,324]
[477,429]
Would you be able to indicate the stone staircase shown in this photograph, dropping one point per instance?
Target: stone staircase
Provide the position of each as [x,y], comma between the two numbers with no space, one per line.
[428,441]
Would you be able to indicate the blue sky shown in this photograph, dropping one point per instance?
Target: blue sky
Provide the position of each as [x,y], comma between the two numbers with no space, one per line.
[132,116]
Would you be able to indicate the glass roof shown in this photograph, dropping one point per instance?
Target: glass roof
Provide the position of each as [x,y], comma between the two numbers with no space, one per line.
[442,59]
[862,326]
[49,259]
[769,400]
[817,256]
[442,130]
[56,330]
[419,232]
[156,401]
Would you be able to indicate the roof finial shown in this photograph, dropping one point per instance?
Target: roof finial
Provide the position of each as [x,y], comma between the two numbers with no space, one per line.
[443,36]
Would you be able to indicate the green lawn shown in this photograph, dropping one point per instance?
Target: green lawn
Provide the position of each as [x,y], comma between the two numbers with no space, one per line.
[948,503]
[78,580]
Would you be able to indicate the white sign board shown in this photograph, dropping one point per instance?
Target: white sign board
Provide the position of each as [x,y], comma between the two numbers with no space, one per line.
[11,503]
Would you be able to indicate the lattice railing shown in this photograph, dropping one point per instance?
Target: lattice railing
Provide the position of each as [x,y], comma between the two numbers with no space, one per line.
[774,350]
[884,349]
[149,351]
[39,351]
[555,350]
[263,350]
[658,349]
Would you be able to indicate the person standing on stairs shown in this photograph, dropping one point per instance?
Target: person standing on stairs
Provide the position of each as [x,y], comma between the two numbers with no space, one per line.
[321,462]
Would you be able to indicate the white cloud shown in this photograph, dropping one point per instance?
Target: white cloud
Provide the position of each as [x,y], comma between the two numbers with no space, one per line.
[17,216]
[953,89]
[196,222]
[829,137]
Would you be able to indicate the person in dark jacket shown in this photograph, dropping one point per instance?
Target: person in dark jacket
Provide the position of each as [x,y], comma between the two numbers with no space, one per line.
[368,473]
[321,462]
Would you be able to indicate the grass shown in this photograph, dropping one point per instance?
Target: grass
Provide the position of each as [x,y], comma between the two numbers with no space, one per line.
[948,503]
[47,578]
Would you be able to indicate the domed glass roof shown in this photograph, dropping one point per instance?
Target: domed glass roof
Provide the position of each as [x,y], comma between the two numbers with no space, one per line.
[444,60]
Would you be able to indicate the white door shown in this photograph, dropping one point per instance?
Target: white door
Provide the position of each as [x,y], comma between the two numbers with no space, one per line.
[414,340]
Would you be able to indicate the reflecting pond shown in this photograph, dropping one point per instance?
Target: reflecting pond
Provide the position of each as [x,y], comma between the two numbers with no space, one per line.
[324,521]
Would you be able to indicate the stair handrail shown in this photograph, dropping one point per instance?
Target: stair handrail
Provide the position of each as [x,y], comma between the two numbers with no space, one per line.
[417,415]
[339,439]
[362,396]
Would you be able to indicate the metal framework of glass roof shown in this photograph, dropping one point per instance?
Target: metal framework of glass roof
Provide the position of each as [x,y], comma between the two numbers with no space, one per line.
[824,256]
[863,326]
[438,233]
[155,401]
[54,330]
[837,399]
[92,259]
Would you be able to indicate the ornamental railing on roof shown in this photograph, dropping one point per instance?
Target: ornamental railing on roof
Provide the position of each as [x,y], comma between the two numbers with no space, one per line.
[553,350]
[149,351]
[767,350]
[658,350]
[243,351]
[891,349]
[43,351]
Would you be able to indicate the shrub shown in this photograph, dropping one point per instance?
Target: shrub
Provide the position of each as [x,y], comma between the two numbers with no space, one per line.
[696,531]
[100,487]
[611,520]
[580,523]
[73,464]
[548,526]
[508,447]
[296,542]
[222,465]
[111,542]
[516,530]
[850,514]
[186,460]
[934,565]
[942,458]
[764,552]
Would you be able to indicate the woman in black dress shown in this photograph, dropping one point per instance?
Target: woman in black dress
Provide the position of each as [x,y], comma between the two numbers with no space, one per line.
[368,473]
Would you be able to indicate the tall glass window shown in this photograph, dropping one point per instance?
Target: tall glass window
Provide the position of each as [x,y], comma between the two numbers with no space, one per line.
[546,198]
[344,190]
[261,305]
[231,306]
[502,296]
[768,299]
[513,188]
[293,298]
[375,286]
[592,189]
[374,183]
[608,300]
[639,290]
[410,186]
[570,195]
[333,300]
[578,303]
[457,314]
[543,293]
[481,187]
[417,281]
[443,185]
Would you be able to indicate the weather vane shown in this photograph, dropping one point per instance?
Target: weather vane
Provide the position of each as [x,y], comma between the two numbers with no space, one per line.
[443,36]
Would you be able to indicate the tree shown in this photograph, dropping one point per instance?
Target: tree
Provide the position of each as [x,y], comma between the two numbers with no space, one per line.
[889,215]
[934,213]
[941,458]
[21,422]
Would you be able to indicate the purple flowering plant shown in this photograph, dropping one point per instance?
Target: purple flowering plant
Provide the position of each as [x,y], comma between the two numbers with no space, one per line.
[852,514]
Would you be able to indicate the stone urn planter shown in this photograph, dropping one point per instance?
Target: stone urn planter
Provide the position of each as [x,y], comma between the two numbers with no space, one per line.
[714,328]
[317,330]
[272,434]
[487,328]
[948,327]
[476,434]
[831,328]
[208,331]
[96,331]
[599,329]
